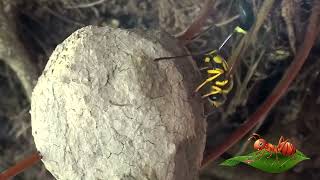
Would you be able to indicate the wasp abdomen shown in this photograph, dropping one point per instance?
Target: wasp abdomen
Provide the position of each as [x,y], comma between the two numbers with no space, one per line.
[220,83]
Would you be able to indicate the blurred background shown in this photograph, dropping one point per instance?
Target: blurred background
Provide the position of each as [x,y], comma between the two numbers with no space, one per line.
[31,29]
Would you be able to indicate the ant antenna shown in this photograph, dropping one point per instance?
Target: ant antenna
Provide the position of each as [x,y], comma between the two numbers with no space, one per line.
[254,137]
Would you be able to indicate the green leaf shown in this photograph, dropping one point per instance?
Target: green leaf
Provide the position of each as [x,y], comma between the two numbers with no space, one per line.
[271,165]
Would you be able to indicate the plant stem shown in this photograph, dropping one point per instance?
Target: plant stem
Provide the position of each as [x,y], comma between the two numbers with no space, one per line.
[197,24]
[310,36]
[21,166]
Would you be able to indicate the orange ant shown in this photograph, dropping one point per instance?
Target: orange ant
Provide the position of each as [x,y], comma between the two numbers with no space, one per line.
[284,146]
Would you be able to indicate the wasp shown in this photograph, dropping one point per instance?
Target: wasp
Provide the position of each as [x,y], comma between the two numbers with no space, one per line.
[284,147]
[220,84]
[217,69]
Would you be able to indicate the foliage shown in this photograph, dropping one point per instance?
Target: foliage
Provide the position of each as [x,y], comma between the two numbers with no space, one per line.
[264,163]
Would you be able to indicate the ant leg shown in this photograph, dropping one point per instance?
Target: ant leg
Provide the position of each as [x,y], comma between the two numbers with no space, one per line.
[271,153]
[255,154]
[277,156]
[254,136]
[279,149]
[261,154]
[281,140]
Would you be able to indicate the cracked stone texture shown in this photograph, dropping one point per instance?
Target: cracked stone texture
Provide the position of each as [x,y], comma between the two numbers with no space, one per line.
[103,109]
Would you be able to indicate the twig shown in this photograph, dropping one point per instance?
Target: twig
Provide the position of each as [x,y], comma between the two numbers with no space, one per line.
[225,22]
[239,95]
[13,53]
[196,26]
[288,11]
[246,143]
[310,36]
[63,18]
[21,166]
[87,5]
[251,37]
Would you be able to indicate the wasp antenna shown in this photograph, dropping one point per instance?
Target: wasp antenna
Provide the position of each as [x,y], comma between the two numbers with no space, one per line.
[181,56]
[225,41]
[172,57]
[238,30]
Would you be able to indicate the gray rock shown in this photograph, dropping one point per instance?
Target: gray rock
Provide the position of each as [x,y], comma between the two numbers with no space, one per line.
[103,109]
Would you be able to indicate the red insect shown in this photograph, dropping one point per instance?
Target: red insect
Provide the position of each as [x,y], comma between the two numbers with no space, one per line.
[284,146]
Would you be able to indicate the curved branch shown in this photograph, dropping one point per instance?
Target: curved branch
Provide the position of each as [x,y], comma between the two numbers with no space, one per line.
[21,166]
[14,54]
[197,24]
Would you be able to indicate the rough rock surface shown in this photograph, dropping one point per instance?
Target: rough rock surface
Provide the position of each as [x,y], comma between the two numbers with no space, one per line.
[103,109]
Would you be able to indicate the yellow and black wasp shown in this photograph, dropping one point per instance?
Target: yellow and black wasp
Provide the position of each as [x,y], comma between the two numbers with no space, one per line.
[216,67]
[220,84]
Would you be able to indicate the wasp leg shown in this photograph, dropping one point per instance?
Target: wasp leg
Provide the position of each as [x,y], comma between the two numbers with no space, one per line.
[226,91]
[211,112]
[218,103]
[221,83]
[212,53]
[216,72]
[204,68]
[216,90]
